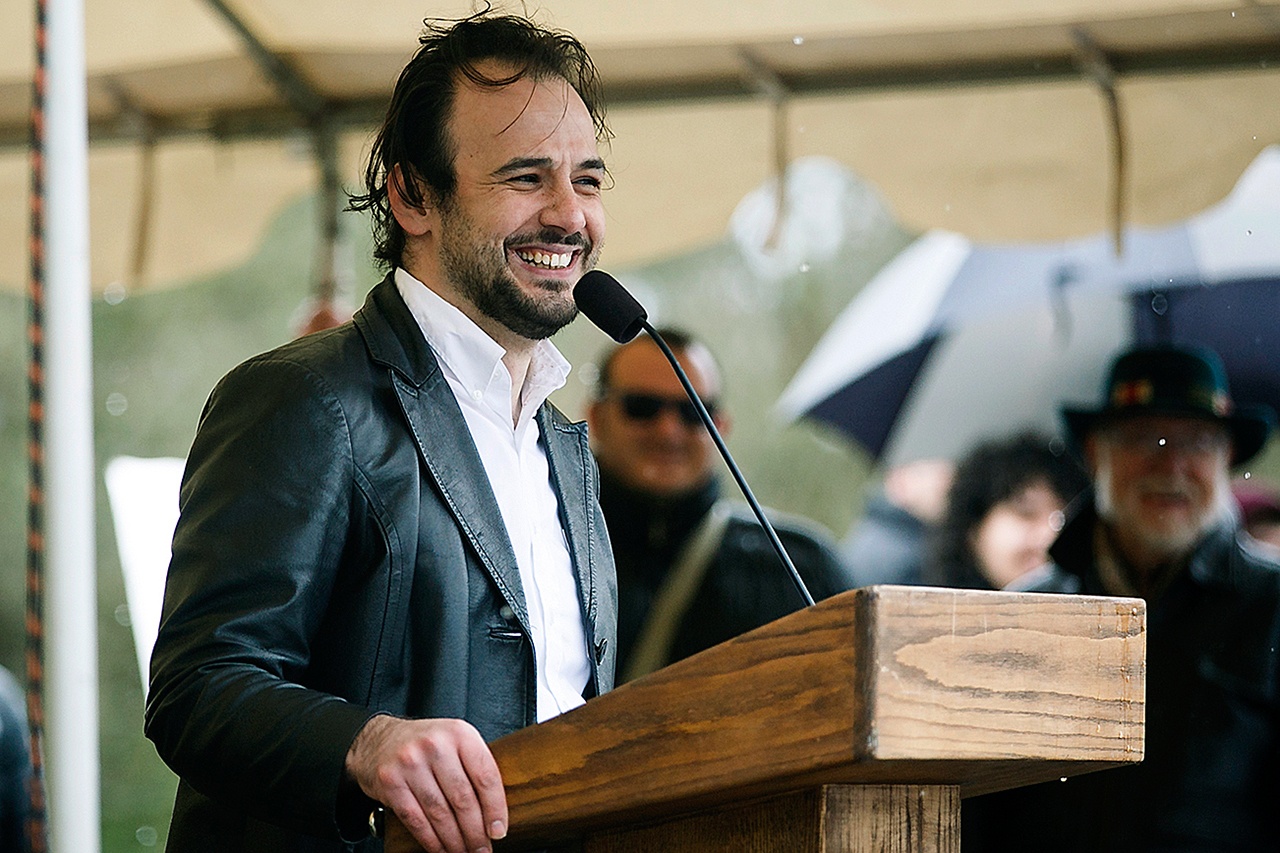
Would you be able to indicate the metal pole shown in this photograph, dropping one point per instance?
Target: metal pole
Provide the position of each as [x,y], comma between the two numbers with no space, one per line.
[71,650]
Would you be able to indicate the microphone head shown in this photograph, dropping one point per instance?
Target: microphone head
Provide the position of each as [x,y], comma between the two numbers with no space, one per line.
[607,303]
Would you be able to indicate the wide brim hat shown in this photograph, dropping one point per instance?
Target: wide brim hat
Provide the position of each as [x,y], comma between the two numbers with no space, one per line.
[1178,381]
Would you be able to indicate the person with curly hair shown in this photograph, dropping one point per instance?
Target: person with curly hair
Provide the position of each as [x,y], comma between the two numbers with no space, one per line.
[1004,508]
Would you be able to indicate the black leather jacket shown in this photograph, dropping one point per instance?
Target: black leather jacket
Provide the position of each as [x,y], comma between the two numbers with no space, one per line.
[340,553]
[1210,776]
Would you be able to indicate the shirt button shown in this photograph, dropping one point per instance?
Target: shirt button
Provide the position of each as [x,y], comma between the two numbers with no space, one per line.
[477,395]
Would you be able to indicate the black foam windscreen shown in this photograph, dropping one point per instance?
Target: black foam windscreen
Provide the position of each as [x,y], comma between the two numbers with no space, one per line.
[607,303]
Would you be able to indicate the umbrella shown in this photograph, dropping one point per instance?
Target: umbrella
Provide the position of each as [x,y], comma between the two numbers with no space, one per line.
[954,341]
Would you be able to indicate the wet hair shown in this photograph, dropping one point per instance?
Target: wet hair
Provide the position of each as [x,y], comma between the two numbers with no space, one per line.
[992,472]
[415,132]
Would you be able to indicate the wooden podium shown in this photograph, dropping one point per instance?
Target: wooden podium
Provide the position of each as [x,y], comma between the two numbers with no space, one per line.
[854,725]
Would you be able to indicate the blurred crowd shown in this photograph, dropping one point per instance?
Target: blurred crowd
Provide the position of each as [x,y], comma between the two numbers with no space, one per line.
[1137,499]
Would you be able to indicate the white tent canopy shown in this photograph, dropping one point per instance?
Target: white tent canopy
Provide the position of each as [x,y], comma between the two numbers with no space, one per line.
[973,117]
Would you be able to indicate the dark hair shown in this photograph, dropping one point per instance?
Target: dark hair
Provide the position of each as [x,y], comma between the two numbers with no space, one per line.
[414,135]
[991,472]
[678,339]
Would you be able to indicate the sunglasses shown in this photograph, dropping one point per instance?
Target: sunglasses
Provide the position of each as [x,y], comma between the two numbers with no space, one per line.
[647,407]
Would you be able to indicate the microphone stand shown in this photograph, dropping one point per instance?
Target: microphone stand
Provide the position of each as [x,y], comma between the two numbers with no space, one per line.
[733,468]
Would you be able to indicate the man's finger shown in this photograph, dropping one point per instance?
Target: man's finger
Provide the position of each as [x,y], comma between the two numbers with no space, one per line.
[486,782]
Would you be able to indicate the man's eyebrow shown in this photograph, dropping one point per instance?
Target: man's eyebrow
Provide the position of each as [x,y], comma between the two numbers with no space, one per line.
[519,164]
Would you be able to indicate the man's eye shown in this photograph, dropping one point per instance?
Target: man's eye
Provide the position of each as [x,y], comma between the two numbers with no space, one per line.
[590,181]
[524,179]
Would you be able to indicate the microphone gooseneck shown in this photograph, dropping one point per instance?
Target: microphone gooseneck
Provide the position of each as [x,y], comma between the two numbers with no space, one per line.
[607,304]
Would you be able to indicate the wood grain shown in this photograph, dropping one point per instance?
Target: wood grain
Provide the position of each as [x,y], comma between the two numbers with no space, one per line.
[826,819]
[883,685]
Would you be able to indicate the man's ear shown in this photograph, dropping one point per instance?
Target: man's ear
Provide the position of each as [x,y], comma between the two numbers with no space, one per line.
[415,221]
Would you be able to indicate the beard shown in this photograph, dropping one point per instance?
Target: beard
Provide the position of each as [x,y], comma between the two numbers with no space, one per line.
[479,270]
[1171,537]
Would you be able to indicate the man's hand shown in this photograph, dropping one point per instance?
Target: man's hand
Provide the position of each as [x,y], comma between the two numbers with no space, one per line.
[439,778]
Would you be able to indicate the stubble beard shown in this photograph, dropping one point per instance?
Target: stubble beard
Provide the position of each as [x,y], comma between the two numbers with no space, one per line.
[479,271]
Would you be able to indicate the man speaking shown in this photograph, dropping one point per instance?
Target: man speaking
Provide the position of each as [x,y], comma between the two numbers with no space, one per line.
[390,548]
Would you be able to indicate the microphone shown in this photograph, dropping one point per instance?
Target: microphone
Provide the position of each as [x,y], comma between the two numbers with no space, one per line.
[608,305]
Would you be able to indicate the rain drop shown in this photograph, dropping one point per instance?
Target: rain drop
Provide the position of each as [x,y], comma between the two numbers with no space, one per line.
[117,403]
[1159,304]
[1063,779]
[799,40]
[1248,232]
[588,374]
[122,615]
[147,836]
[804,267]
[114,293]
[1162,442]
[1056,520]
[1248,474]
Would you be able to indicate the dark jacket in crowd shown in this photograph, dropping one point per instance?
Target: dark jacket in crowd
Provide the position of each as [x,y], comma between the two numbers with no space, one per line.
[340,553]
[1210,778]
[745,586]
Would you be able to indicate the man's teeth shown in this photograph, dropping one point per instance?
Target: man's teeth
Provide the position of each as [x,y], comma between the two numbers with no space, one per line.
[550,260]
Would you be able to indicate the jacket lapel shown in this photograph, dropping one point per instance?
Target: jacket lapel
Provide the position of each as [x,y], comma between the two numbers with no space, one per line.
[444,444]
[568,456]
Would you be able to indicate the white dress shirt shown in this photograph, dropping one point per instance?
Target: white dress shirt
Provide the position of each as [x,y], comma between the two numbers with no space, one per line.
[520,477]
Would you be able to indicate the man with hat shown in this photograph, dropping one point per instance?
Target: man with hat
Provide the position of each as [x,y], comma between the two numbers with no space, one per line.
[1162,526]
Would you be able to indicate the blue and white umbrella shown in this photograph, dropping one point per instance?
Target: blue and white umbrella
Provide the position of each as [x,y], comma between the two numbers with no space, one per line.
[953,342]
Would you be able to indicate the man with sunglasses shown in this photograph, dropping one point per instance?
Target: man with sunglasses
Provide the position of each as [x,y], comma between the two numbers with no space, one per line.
[694,569]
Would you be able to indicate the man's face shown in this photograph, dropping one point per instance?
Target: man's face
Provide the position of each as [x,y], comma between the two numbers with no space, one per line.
[525,220]
[1161,481]
[638,432]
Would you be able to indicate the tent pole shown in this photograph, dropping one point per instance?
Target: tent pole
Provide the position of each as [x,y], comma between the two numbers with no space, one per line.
[71,653]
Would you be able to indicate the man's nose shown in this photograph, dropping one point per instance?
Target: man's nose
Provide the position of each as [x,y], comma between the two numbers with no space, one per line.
[564,209]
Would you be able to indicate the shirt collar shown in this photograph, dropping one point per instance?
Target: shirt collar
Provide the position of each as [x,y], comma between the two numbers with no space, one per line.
[469,353]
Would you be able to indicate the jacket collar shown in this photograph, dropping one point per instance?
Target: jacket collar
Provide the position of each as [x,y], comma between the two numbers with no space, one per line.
[392,335]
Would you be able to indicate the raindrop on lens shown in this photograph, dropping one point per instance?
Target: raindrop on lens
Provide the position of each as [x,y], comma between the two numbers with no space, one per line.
[117,403]
[804,267]
[122,616]
[799,40]
[1159,304]
[147,836]
[1063,779]
[114,293]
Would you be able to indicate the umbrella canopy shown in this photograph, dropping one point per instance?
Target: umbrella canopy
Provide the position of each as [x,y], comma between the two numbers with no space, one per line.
[954,341]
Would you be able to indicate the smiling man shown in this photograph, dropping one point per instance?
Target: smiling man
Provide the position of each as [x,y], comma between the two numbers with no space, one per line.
[390,549]
[1163,526]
